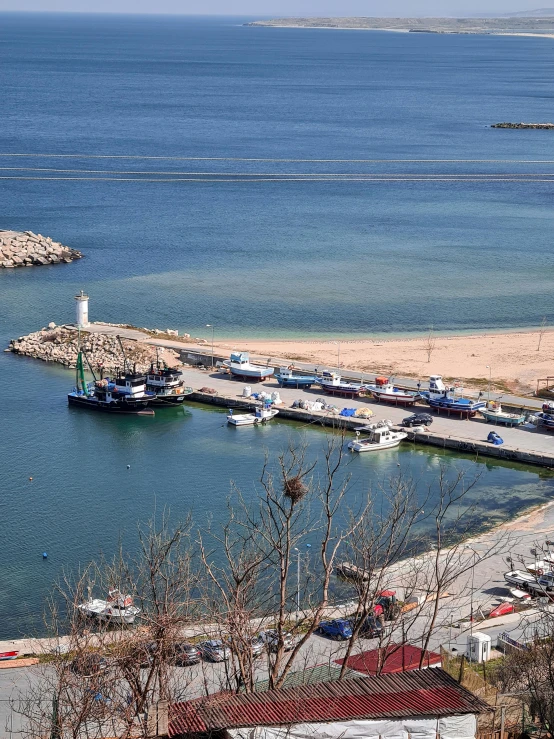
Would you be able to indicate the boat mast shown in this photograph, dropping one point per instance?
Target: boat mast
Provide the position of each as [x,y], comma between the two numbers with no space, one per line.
[124,356]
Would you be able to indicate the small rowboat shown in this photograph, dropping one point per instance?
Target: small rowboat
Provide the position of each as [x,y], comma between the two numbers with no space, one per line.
[9,655]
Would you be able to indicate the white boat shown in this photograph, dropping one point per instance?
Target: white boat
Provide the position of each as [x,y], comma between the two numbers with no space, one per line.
[333,384]
[493,413]
[261,415]
[380,437]
[521,580]
[239,365]
[383,389]
[117,609]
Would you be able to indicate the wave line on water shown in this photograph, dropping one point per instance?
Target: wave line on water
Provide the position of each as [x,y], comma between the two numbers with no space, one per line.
[275,159]
[277,178]
[458,175]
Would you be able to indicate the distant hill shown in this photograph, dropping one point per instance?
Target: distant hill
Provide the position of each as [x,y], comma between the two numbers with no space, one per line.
[539,13]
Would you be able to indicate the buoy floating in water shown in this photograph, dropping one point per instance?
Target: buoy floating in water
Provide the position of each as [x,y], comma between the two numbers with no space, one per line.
[45,555]
[128,466]
[30,479]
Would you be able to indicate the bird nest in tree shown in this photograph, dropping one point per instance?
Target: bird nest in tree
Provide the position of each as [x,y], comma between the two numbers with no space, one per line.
[294,488]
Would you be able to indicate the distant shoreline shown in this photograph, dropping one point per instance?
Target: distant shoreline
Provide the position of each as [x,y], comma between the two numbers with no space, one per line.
[533,27]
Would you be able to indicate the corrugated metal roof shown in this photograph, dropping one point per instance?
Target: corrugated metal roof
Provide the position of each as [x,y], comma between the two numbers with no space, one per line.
[407,694]
[309,676]
[393,658]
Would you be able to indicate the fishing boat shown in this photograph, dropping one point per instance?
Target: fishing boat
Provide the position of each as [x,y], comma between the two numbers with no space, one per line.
[239,365]
[261,415]
[332,383]
[9,655]
[442,398]
[493,413]
[286,378]
[167,385]
[521,580]
[117,609]
[383,389]
[380,437]
[546,420]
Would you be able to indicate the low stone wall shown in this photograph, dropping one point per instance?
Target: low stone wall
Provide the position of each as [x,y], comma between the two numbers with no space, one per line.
[59,344]
[27,249]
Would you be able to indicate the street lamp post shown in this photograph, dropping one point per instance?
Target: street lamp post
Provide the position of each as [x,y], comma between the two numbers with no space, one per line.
[471,593]
[298,555]
[490,380]
[338,353]
[209,325]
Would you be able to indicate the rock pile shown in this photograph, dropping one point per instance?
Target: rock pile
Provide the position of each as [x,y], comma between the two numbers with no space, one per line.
[543,126]
[59,344]
[26,249]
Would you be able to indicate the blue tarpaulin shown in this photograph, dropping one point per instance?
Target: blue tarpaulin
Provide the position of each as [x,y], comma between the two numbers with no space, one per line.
[347,412]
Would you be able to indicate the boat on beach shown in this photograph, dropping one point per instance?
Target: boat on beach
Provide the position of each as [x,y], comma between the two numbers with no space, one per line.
[332,383]
[380,436]
[239,366]
[167,385]
[125,394]
[117,609]
[383,389]
[287,378]
[9,655]
[493,413]
[546,420]
[261,415]
[442,398]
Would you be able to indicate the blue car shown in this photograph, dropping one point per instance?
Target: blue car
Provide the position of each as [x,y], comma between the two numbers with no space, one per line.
[339,628]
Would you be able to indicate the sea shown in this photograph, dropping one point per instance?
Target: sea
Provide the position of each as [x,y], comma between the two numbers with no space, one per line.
[269,182]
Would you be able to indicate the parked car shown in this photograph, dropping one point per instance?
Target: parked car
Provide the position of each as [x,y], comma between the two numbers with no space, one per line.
[338,628]
[185,654]
[258,645]
[271,639]
[371,628]
[214,650]
[418,419]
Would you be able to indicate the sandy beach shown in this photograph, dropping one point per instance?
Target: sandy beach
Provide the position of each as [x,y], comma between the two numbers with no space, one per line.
[513,357]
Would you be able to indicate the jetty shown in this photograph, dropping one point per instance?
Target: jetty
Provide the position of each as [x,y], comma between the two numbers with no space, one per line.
[540,126]
[214,386]
[27,249]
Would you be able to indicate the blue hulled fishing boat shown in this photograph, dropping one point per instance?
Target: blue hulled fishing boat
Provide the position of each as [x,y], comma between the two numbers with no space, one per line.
[286,378]
[442,398]
[333,384]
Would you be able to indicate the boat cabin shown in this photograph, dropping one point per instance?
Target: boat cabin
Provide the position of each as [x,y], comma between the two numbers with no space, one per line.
[382,381]
[163,378]
[240,358]
[133,385]
[436,385]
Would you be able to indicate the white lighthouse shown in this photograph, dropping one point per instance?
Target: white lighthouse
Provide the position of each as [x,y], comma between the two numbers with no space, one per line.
[82,310]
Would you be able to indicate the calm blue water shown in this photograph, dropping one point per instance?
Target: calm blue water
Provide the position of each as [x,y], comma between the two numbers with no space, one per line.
[253,257]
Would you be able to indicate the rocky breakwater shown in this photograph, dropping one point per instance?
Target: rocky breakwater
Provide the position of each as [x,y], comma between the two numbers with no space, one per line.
[27,249]
[541,126]
[59,344]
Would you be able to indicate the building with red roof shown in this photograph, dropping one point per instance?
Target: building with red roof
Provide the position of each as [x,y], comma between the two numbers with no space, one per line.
[391,659]
[426,704]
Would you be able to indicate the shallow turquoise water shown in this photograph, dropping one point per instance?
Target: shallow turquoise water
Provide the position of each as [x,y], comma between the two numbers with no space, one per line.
[253,258]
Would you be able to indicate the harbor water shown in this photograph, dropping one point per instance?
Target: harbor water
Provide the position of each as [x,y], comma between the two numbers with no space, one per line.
[207,234]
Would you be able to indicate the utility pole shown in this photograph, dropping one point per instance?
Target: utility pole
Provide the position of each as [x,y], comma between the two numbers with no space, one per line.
[209,325]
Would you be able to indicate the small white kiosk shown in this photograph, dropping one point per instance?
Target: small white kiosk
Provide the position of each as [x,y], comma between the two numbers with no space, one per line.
[478,647]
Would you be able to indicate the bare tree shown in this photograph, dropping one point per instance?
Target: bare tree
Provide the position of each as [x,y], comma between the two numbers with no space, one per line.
[294,502]
[542,331]
[101,675]
[430,342]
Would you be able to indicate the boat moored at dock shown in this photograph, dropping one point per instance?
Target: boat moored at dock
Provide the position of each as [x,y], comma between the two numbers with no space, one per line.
[239,366]
[125,394]
[442,398]
[260,415]
[332,383]
[383,389]
[167,385]
[380,436]
[287,378]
